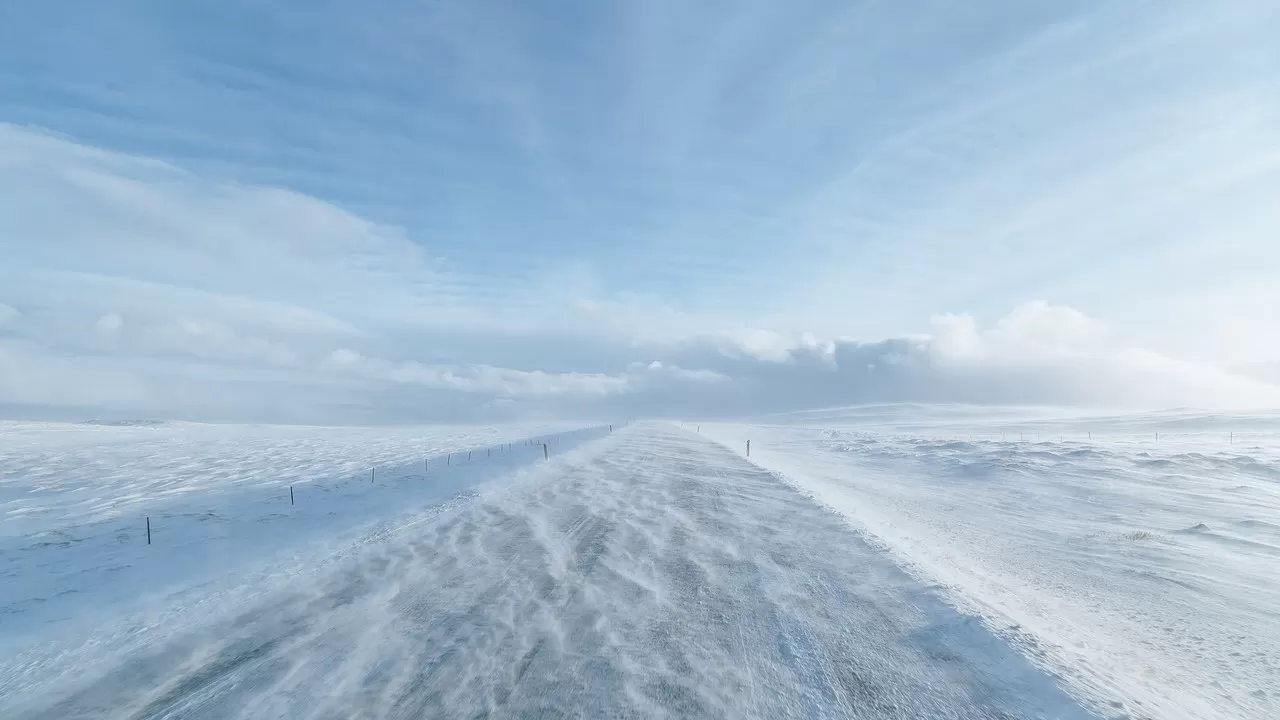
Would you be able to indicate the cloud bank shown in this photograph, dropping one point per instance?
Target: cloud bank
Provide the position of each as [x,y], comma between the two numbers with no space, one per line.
[133,287]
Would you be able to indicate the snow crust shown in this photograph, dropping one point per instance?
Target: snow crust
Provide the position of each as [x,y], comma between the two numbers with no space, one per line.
[1136,555]
[647,572]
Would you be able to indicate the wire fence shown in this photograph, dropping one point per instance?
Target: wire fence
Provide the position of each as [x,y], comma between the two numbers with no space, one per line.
[454,471]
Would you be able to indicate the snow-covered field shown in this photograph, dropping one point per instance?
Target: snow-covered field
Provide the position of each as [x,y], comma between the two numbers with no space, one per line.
[1079,567]
[1138,556]
[57,474]
[647,572]
[75,501]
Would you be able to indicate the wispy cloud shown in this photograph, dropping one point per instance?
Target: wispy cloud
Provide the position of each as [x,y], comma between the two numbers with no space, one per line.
[395,210]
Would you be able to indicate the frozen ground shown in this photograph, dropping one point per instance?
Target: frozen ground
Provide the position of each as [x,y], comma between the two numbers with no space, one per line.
[647,572]
[1144,569]
[56,474]
[74,501]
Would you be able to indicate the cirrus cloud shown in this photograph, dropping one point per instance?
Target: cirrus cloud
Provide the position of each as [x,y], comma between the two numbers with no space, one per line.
[168,294]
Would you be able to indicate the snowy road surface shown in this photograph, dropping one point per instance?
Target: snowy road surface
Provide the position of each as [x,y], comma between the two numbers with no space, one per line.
[651,573]
[1144,569]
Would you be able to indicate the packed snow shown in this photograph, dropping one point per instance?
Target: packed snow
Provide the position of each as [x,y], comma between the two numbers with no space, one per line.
[1138,556]
[645,572]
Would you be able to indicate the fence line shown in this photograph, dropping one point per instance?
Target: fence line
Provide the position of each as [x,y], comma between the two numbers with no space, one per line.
[373,472]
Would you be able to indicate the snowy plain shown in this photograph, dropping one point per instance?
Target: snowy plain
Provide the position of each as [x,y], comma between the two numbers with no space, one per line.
[75,500]
[647,572]
[1135,555]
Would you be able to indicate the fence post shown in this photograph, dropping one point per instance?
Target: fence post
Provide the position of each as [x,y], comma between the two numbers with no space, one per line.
[148,529]
[748,448]
[544,451]
[468,455]
[290,494]
[373,472]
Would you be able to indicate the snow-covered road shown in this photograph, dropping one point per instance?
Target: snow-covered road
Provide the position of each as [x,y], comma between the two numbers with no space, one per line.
[1143,569]
[651,573]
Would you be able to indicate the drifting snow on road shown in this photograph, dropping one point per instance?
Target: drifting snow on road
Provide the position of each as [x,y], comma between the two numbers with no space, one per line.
[1138,556]
[648,574]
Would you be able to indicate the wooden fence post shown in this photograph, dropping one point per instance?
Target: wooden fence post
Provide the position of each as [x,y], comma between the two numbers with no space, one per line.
[544,451]
[290,494]
[148,529]
[748,448]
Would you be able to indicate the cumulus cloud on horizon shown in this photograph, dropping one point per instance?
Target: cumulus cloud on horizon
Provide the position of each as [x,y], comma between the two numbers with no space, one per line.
[493,209]
[256,322]
[958,363]
[166,294]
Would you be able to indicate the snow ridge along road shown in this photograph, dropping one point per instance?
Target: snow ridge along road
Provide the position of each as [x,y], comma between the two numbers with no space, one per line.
[651,573]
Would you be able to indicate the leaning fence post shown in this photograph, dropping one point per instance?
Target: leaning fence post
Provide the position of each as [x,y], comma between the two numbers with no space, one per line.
[290,494]
[373,472]
[148,529]
[544,451]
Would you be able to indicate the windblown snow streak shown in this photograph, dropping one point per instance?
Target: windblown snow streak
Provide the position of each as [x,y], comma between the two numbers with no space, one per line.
[649,574]
[1142,567]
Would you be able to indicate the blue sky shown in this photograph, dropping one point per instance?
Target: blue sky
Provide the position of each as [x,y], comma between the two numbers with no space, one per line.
[211,209]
